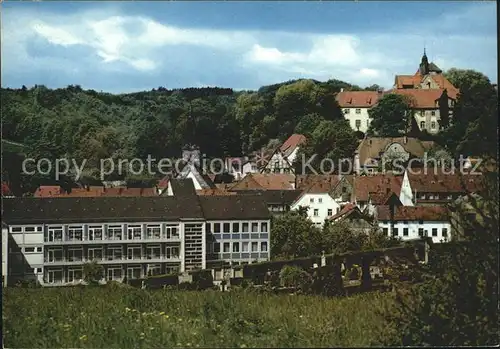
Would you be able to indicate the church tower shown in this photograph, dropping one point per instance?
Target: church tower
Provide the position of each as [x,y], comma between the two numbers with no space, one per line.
[424,65]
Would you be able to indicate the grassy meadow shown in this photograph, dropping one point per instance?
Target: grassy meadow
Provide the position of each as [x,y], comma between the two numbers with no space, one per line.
[122,317]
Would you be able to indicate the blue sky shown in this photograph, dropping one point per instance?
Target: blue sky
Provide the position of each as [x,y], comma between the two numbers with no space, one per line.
[131,46]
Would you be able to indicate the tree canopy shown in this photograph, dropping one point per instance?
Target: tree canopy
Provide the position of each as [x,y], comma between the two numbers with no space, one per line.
[390,117]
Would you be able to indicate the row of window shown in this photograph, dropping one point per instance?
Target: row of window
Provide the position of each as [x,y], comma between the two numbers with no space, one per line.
[436,196]
[111,253]
[421,232]
[236,227]
[433,124]
[329,212]
[113,232]
[235,247]
[357,111]
[238,236]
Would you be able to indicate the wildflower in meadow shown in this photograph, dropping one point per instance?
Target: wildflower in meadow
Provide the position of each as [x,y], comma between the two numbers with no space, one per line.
[127,309]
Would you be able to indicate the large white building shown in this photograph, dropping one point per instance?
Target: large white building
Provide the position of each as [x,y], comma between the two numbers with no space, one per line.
[414,222]
[355,106]
[132,237]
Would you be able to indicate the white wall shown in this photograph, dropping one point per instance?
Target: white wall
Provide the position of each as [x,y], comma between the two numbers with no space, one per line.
[362,116]
[413,227]
[406,194]
[5,250]
[197,185]
[327,202]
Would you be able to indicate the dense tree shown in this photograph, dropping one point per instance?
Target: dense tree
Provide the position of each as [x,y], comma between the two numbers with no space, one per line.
[466,78]
[328,144]
[391,116]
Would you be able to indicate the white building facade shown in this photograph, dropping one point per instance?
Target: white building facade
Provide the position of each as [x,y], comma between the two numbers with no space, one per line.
[320,206]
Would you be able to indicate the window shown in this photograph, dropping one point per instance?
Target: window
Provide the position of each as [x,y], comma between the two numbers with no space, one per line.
[358,124]
[347,111]
[236,227]
[385,230]
[153,251]
[433,124]
[255,246]
[29,249]
[433,113]
[114,273]
[320,200]
[244,246]
[344,190]
[75,274]
[421,232]
[244,227]
[255,227]
[311,200]
[172,232]
[358,111]
[38,270]
[227,227]
[227,247]
[75,255]
[75,233]
[134,272]
[330,212]
[154,269]
[216,247]
[54,234]
[444,232]
[263,227]
[16,229]
[395,232]
[134,232]
[422,124]
[114,252]
[38,249]
[216,227]
[95,253]
[316,212]
[263,246]
[29,229]
[115,232]
[172,252]
[208,228]
[153,231]
[236,247]
[134,252]
[405,231]
[434,232]
[54,276]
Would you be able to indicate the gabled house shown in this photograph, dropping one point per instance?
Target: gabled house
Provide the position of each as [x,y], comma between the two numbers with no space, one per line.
[372,150]
[191,157]
[239,167]
[343,190]
[437,188]
[415,222]
[356,220]
[321,205]
[282,159]
[355,106]
[369,191]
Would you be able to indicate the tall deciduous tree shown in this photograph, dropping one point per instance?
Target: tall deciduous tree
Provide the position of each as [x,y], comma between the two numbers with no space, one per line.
[391,116]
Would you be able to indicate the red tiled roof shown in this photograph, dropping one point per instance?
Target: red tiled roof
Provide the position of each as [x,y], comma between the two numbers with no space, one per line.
[265,181]
[444,183]
[360,99]
[304,181]
[291,143]
[422,98]
[47,191]
[407,80]
[345,210]
[380,183]
[413,213]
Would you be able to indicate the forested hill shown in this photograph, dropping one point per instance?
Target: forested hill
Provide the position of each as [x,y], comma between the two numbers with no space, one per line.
[79,123]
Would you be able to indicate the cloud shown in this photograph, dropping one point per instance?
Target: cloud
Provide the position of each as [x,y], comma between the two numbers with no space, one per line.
[131,47]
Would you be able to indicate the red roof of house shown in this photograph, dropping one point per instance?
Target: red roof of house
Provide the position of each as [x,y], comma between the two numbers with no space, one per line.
[422,98]
[215,192]
[291,143]
[358,99]
[304,181]
[345,210]
[380,183]
[413,213]
[431,182]
[265,181]
[6,190]
[47,191]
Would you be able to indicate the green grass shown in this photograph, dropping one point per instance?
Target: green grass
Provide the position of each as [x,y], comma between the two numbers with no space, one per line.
[119,317]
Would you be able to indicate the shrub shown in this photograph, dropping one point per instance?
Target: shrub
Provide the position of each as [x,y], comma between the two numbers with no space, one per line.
[291,276]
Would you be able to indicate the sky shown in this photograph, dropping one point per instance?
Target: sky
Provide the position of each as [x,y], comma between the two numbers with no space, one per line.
[122,47]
